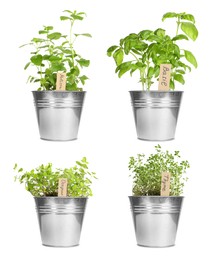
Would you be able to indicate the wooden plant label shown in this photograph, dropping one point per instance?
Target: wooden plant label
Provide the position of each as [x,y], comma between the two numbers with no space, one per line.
[63,187]
[164,78]
[165,184]
[61,81]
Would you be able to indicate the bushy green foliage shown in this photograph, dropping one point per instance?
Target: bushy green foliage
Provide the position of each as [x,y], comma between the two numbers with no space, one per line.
[148,49]
[53,52]
[147,172]
[43,181]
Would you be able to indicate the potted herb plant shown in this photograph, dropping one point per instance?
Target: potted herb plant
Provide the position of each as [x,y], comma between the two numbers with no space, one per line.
[156,217]
[60,217]
[59,98]
[156,112]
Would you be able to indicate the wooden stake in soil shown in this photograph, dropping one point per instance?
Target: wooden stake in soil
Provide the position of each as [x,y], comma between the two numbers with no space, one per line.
[61,81]
[164,78]
[165,184]
[63,187]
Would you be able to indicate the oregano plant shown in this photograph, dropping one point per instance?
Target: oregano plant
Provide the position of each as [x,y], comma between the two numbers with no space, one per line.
[147,172]
[146,50]
[43,180]
[53,51]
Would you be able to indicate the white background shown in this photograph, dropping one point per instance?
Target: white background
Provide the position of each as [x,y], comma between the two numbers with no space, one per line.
[107,133]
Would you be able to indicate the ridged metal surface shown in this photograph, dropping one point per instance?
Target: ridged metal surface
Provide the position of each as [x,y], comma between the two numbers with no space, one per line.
[58,99]
[156,114]
[156,219]
[60,220]
[58,114]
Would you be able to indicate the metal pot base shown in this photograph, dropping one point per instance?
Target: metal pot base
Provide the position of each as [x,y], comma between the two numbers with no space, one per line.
[60,246]
[58,140]
[155,140]
[155,246]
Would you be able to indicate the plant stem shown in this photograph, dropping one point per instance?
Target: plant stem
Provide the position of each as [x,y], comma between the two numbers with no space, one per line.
[178,24]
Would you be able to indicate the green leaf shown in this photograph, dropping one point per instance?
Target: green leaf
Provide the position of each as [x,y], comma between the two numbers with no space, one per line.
[190,30]
[179,78]
[118,56]
[48,28]
[42,32]
[54,58]
[123,68]
[169,15]
[77,17]
[180,37]
[172,84]
[37,59]
[27,65]
[111,50]
[145,34]
[63,18]
[191,58]
[160,32]
[150,72]
[83,78]
[57,66]
[54,36]
[83,62]
[188,17]
[83,34]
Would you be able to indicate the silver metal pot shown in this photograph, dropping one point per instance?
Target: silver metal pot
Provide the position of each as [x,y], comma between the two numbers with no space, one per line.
[60,220]
[156,113]
[58,114]
[156,219]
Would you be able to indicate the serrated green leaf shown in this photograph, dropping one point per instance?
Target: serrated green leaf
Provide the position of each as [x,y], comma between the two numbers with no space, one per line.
[83,62]
[145,34]
[37,59]
[190,30]
[191,58]
[83,79]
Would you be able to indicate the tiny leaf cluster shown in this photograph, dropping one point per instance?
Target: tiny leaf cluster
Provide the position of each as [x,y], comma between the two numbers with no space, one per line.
[147,172]
[53,52]
[43,181]
[148,49]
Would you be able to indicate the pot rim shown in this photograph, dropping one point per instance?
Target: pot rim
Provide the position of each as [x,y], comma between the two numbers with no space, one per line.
[59,91]
[132,196]
[158,91]
[56,197]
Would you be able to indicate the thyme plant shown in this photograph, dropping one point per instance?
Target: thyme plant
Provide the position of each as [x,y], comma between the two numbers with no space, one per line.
[147,172]
[148,49]
[43,181]
[54,51]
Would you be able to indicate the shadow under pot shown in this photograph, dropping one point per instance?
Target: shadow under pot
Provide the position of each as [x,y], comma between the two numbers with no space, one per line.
[156,219]
[60,220]
[58,114]
[156,114]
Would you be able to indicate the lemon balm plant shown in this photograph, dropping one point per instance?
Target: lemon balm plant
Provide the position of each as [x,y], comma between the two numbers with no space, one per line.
[144,52]
[60,218]
[158,213]
[52,53]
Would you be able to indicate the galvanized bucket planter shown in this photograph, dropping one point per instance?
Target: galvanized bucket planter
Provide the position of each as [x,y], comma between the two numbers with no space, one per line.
[156,114]
[156,219]
[60,220]
[58,114]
